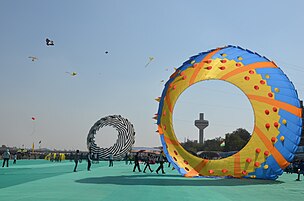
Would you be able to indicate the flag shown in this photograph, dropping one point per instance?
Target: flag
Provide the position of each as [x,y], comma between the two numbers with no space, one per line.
[33,147]
[222,144]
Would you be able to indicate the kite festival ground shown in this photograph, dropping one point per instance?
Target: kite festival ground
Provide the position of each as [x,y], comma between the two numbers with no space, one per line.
[33,180]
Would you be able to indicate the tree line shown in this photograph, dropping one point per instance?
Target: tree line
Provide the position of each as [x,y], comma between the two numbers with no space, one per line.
[234,141]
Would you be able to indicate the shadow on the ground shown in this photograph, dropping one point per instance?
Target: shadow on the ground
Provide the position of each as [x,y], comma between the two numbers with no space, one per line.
[172,180]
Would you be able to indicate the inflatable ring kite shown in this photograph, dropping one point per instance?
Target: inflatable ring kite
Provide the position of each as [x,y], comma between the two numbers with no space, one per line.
[124,143]
[277,114]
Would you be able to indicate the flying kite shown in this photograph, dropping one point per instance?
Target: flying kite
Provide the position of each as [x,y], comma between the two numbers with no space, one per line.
[106,52]
[33,125]
[150,59]
[72,73]
[49,42]
[33,58]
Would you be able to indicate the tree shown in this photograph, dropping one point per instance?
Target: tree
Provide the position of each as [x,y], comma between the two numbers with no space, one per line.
[236,140]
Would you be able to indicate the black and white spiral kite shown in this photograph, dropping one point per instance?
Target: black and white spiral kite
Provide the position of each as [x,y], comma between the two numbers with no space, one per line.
[124,143]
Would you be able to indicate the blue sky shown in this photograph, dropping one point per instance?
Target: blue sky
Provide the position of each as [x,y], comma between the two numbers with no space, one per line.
[66,107]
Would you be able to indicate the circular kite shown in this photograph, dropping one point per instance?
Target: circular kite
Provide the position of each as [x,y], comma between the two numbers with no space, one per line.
[124,143]
[277,114]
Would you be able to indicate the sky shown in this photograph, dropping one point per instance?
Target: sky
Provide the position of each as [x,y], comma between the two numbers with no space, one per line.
[65,107]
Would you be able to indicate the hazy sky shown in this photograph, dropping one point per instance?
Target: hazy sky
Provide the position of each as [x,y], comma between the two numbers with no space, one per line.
[65,107]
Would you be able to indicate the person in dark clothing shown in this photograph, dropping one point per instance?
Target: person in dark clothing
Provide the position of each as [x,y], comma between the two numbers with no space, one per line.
[76,159]
[161,163]
[111,160]
[148,161]
[6,156]
[89,161]
[126,158]
[300,170]
[136,162]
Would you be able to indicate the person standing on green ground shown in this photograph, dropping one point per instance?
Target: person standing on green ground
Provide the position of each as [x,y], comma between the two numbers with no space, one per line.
[15,158]
[136,163]
[111,160]
[89,161]
[161,163]
[148,161]
[76,159]
[6,156]
[126,158]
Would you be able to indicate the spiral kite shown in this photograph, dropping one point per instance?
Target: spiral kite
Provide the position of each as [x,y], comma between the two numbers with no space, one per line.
[124,143]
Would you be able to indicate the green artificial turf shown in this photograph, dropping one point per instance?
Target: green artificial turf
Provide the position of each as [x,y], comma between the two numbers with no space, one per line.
[43,180]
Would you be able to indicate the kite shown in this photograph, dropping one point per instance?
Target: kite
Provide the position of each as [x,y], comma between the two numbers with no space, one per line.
[72,73]
[106,52]
[150,59]
[124,143]
[276,106]
[33,125]
[49,42]
[33,58]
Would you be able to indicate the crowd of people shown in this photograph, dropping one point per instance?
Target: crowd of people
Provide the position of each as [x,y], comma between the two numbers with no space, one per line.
[147,159]
[137,159]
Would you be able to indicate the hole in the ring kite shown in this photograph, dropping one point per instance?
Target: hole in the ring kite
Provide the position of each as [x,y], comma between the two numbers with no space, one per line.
[106,137]
[226,108]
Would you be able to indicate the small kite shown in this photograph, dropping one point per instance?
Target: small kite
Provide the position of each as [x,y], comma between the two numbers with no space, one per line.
[33,118]
[49,42]
[150,59]
[106,52]
[72,73]
[162,81]
[33,58]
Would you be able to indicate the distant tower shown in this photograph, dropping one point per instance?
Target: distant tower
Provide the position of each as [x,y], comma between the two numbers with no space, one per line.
[201,124]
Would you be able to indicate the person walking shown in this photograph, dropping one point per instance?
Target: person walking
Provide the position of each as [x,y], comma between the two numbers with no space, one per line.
[136,163]
[161,163]
[76,159]
[6,156]
[89,161]
[148,161]
[111,160]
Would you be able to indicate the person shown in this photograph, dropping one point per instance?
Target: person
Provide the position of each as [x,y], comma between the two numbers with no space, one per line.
[15,158]
[89,161]
[148,161]
[126,158]
[136,163]
[300,170]
[76,159]
[161,163]
[130,158]
[110,160]
[6,156]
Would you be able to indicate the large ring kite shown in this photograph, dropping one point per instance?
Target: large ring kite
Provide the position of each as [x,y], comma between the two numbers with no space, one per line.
[277,114]
[124,143]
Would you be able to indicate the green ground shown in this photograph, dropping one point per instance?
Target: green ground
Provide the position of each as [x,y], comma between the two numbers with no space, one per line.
[33,180]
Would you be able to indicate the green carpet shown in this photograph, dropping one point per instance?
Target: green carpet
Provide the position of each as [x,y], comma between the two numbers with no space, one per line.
[43,180]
